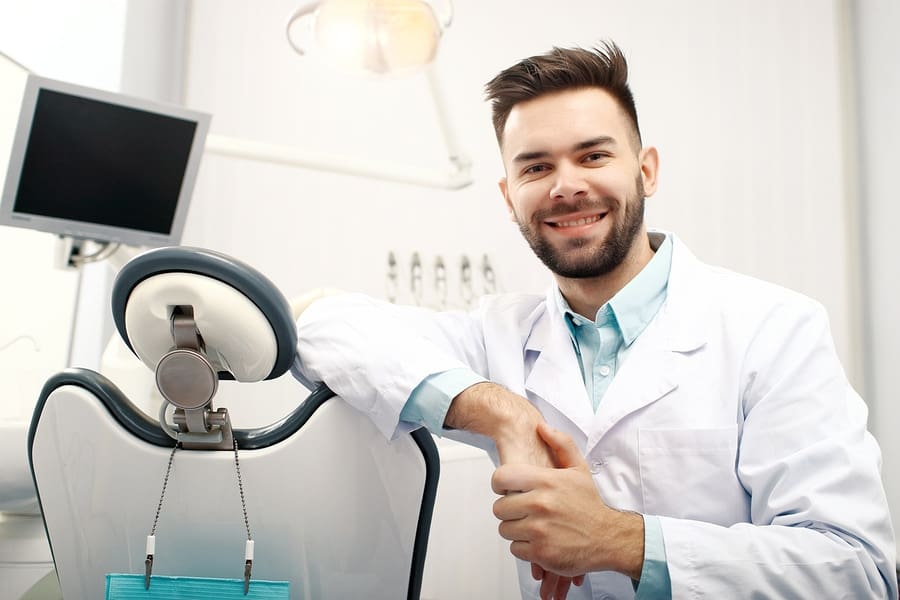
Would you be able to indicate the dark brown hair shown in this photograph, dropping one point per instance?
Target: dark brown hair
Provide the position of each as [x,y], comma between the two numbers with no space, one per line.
[558,70]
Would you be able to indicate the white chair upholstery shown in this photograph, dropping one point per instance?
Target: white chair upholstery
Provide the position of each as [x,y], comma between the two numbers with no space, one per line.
[333,507]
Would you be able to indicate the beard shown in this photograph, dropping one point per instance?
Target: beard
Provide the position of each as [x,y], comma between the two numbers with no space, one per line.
[581,258]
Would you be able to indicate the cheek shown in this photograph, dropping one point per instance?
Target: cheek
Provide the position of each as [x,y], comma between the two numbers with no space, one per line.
[622,188]
[526,199]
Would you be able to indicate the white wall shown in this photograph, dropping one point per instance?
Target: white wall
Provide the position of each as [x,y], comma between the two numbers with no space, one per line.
[876,26]
[75,41]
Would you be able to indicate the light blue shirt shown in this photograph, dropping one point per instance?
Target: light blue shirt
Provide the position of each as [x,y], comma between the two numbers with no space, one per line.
[602,346]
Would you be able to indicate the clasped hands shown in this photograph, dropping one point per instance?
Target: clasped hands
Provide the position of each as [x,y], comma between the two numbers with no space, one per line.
[551,512]
[550,509]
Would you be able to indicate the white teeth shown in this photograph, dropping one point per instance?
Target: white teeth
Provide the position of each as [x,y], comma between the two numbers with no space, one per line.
[583,221]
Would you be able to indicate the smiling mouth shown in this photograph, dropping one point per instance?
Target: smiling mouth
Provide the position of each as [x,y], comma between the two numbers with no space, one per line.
[576,222]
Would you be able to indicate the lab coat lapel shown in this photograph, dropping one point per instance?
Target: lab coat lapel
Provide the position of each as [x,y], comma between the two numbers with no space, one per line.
[654,364]
[555,376]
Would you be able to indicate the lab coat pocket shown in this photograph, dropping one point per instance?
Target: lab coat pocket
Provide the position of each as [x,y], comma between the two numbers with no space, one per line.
[690,474]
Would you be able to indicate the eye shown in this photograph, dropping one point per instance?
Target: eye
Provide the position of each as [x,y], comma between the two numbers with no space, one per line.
[596,156]
[535,169]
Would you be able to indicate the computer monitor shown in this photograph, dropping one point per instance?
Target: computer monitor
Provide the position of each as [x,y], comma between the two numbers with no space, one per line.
[97,165]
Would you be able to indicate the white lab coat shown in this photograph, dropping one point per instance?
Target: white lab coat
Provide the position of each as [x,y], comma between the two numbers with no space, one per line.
[731,419]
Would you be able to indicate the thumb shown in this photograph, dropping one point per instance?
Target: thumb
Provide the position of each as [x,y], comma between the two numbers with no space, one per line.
[565,452]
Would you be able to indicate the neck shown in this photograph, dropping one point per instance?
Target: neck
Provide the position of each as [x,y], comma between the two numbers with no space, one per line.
[586,296]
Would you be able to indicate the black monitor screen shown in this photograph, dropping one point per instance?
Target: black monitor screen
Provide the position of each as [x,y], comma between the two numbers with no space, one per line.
[96,162]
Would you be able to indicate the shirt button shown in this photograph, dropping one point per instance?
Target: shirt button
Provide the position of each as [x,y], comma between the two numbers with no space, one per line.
[604,370]
[596,466]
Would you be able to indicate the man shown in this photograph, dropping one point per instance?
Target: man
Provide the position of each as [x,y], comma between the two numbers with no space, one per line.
[663,428]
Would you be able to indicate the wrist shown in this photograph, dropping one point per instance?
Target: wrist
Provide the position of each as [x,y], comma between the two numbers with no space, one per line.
[484,408]
[493,411]
[629,535]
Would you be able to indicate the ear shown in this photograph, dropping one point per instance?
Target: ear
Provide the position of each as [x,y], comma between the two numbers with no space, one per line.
[504,190]
[649,158]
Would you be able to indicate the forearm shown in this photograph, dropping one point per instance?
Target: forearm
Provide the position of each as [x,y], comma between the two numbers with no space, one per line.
[506,418]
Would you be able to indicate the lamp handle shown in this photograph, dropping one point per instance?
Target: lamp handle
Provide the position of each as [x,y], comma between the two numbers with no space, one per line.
[302,12]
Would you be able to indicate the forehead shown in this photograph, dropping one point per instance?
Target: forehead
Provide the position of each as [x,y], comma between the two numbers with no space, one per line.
[563,118]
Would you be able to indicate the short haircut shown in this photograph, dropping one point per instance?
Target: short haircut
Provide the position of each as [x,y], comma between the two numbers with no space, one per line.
[562,69]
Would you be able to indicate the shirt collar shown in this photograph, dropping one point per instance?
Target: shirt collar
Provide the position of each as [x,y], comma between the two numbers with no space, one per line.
[635,305]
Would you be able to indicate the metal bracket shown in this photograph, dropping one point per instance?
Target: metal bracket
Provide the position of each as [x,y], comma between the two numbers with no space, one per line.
[188,381]
[216,434]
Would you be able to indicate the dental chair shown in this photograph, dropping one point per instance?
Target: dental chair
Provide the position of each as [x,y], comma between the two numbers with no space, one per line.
[333,507]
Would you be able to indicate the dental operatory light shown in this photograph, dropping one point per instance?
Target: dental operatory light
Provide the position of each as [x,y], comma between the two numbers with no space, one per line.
[374,36]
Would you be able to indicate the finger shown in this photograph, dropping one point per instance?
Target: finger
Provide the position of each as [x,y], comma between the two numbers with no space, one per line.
[548,585]
[564,449]
[522,550]
[513,530]
[578,580]
[537,571]
[514,478]
[510,508]
[562,588]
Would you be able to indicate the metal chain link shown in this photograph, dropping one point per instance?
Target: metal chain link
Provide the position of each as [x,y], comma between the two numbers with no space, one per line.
[237,467]
[163,494]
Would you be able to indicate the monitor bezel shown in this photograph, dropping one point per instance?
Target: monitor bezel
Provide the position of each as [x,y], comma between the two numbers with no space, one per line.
[83,229]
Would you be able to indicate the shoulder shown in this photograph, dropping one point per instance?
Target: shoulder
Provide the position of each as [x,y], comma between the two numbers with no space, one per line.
[741,307]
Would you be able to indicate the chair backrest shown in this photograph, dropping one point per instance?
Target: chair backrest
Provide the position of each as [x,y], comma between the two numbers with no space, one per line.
[333,507]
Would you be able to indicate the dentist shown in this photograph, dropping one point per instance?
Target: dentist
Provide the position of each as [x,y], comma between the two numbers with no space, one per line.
[669,428]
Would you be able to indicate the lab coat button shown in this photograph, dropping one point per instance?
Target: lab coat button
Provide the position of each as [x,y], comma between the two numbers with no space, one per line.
[596,466]
[604,370]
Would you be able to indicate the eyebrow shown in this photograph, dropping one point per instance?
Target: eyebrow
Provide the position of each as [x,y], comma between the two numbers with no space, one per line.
[602,140]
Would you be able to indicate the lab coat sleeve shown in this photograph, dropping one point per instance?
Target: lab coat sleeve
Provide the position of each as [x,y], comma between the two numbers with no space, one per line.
[373,354]
[820,526]
[430,401]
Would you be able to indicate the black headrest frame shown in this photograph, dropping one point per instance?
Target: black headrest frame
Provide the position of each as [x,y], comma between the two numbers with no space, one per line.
[244,278]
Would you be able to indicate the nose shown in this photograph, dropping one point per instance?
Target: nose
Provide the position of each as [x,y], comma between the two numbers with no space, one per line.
[569,182]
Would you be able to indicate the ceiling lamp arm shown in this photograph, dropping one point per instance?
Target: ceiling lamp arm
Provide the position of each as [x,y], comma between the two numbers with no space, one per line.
[456,155]
[456,178]
[301,12]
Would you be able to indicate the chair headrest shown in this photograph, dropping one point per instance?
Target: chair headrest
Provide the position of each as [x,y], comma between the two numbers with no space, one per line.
[243,319]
